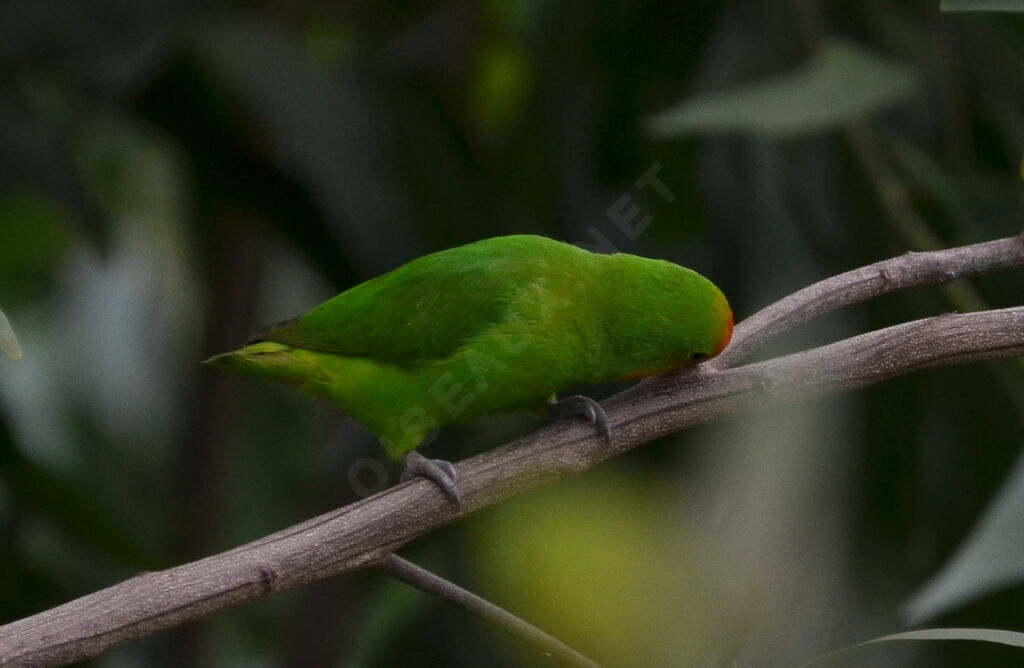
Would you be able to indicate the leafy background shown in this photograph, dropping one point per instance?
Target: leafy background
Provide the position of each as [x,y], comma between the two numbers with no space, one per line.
[174,175]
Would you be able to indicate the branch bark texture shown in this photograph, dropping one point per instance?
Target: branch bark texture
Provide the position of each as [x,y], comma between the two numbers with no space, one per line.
[873,280]
[365,533]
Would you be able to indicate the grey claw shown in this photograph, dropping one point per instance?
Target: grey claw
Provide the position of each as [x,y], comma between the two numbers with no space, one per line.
[448,468]
[586,407]
[438,471]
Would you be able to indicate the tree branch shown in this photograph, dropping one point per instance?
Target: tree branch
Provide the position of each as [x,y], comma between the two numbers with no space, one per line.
[365,533]
[425,581]
[873,280]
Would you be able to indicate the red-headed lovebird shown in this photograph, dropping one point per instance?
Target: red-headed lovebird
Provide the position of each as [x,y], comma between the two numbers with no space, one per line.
[498,325]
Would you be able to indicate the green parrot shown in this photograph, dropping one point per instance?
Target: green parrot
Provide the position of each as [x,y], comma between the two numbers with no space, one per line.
[497,325]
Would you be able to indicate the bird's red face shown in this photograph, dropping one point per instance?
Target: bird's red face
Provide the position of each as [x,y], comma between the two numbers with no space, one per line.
[726,337]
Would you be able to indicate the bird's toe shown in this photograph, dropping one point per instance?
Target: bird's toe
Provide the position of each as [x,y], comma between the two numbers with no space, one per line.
[585,407]
[442,473]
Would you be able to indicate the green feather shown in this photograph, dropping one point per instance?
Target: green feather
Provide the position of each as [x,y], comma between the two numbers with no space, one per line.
[496,325]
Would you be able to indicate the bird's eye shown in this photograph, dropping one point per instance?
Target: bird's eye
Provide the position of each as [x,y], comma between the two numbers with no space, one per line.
[697,357]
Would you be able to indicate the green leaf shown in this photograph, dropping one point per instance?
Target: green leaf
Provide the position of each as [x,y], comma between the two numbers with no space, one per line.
[842,84]
[990,559]
[997,636]
[8,342]
[982,6]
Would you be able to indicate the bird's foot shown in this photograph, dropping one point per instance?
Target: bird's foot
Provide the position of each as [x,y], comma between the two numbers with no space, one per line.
[586,407]
[438,471]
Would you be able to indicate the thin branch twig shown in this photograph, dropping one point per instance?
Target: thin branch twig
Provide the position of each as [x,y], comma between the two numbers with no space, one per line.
[365,533]
[425,581]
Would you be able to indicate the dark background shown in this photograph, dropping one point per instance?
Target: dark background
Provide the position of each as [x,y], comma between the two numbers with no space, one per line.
[175,175]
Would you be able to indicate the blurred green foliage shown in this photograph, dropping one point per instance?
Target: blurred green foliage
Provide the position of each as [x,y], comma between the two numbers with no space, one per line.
[174,175]
[841,84]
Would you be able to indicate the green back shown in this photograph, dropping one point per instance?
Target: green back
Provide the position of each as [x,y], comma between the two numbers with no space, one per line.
[426,309]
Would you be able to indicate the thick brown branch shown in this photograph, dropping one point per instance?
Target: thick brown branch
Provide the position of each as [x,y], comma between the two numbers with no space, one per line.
[366,532]
[865,283]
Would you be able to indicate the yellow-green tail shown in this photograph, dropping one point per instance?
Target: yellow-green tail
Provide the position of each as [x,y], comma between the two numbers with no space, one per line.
[385,398]
[265,358]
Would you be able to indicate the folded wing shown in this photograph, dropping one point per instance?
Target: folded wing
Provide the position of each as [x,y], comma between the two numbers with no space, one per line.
[426,309]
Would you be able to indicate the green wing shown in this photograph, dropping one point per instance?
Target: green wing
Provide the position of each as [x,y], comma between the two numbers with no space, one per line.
[426,309]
